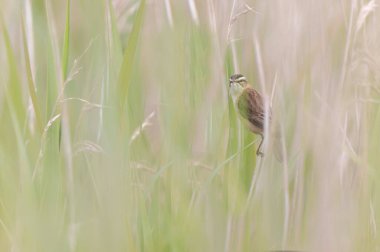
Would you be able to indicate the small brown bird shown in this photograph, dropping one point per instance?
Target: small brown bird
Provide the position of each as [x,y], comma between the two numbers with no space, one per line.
[250,105]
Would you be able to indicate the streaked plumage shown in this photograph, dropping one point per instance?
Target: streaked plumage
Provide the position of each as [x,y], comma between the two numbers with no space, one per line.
[250,105]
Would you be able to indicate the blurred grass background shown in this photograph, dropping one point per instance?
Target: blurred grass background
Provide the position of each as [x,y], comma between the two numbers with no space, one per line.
[118,134]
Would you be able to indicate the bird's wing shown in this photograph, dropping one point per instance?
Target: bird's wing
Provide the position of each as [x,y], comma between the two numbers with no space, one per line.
[251,107]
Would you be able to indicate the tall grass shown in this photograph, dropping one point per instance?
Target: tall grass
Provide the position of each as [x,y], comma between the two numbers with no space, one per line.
[118,133]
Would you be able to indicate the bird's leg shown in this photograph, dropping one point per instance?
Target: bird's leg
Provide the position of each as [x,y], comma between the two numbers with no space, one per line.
[258,152]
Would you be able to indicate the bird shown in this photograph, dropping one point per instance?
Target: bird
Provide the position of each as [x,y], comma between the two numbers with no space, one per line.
[250,105]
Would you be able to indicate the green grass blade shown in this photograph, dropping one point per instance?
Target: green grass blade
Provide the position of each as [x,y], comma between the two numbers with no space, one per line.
[15,105]
[129,55]
[13,88]
[115,45]
[31,86]
[66,42]
[233,141]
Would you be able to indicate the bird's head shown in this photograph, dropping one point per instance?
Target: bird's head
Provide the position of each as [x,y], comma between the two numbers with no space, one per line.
[237,83]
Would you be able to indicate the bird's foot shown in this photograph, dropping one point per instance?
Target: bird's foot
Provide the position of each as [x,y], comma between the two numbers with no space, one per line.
[259,153]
